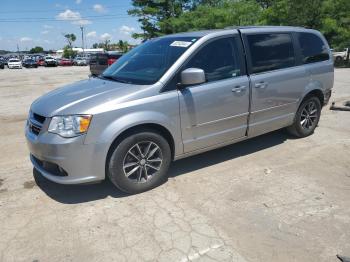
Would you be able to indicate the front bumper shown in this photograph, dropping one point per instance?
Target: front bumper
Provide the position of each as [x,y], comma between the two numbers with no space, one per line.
[81,163]
[14,66]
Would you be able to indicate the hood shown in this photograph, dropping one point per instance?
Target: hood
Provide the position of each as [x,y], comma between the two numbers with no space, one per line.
[80,97]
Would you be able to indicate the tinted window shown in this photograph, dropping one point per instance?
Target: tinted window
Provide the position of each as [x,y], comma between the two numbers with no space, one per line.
[219,60]
[270,52]
[313,49]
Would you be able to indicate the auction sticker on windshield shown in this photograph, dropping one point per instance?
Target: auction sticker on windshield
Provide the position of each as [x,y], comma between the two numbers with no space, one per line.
[181,43]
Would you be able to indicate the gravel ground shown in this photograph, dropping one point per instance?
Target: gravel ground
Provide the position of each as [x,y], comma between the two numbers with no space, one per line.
[272,198]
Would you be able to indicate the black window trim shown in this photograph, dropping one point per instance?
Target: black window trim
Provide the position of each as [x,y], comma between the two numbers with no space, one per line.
[241,57]
[249,57]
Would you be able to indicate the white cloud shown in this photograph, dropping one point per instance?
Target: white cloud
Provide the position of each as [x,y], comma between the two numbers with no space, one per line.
[48,26]
[47,41]
[82,22]
[105,36]
[91,34]
[68,15]
[99,8]
[25,39]
[127,30]
[72,16]
[45,32]
[78,1]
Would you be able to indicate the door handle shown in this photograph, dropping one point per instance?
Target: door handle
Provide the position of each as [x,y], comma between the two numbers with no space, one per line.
[238,89]
[261,85]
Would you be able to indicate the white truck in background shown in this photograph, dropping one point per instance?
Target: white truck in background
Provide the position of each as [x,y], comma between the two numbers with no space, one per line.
[341,56]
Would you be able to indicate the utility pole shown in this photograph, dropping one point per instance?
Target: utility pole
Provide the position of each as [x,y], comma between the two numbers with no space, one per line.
[82,37]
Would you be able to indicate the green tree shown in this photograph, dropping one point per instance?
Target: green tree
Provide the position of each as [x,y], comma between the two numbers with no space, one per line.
[106,44]
[123,46]
[68,52]
[336,22]
[70,39]
[159,17]
[37,49]
[150,13]
[229,13]
[294,13]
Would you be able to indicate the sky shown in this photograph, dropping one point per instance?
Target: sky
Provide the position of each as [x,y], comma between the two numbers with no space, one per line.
[29,23]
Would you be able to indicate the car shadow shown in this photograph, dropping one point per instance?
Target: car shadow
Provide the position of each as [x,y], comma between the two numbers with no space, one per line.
[73,194]
[229,152]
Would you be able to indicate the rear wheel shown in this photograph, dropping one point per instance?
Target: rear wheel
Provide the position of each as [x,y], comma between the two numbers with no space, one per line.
[139,162]
[306,118]
[338,59]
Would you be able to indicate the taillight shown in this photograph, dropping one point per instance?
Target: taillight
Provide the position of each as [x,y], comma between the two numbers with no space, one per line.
[111,61]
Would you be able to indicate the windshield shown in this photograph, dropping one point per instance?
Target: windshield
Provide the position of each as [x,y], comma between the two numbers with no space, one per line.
[147,63]
[13,60]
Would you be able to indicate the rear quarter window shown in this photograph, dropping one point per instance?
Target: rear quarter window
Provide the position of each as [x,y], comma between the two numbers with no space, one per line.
[312,48]
[270,51]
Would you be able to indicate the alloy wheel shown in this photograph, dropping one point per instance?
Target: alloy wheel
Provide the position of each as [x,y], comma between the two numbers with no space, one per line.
[309,115]
[142,161]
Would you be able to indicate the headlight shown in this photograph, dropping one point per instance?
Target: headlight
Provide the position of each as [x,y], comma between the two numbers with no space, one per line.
[69,126]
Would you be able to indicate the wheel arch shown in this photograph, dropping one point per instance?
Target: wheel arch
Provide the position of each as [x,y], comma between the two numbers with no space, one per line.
[315,92]
[153,127]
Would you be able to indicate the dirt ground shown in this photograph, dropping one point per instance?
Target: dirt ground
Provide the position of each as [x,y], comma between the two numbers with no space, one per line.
[272,198]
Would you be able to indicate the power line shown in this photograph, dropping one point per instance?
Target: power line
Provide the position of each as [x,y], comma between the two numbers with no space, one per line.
[58,10]
[63,19]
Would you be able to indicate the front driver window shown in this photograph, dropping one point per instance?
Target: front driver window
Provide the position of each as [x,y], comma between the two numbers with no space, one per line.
[219,59]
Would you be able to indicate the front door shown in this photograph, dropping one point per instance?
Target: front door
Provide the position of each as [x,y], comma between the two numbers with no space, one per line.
[216,111]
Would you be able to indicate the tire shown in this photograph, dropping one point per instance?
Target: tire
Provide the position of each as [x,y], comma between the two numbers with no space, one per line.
[306,118]
[133,172]
[339,59]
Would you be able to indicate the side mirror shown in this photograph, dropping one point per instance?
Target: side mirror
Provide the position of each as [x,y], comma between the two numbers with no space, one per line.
[192,76]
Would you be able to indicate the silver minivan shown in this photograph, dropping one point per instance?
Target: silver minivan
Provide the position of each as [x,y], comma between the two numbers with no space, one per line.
[176,96]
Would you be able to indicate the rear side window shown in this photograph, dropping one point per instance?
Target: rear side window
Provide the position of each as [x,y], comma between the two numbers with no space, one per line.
[219,59]
[313,49]
[271,52]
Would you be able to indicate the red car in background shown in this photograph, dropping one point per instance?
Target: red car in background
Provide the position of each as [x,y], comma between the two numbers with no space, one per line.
[99,62]
[65,62]
[40,62]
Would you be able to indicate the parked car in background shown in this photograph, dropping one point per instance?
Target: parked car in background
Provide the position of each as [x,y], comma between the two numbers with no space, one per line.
[2,64]
[177,96]
[65,62]
[14,63]
[50,61]
[40,62]
[99,62]
[341,56]
[80,61]
[29,63]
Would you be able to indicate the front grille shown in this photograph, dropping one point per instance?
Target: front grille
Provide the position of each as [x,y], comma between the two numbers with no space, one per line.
[51,168]
[35,123]
[35,129]
[39,118]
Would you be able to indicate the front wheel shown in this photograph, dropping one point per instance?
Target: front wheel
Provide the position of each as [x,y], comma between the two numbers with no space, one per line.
[139,162]
[306,118]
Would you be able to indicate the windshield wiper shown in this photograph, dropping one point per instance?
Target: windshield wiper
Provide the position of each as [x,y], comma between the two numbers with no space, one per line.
[113,79]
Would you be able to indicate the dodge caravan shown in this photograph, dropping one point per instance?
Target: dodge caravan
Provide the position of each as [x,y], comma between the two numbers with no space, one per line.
[176,96]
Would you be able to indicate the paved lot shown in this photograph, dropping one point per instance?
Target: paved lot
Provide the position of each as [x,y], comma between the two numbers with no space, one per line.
[273,198]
